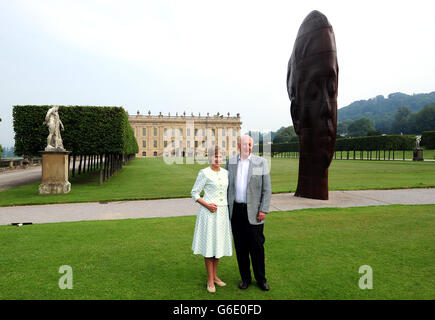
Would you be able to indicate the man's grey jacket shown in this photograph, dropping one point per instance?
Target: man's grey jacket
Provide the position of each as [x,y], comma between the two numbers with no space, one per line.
[259,188]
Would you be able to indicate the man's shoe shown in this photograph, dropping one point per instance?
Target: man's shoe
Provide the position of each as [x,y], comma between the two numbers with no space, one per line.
[244,285]
[264,286]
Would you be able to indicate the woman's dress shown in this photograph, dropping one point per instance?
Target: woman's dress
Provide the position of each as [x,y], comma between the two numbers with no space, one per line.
[212,236]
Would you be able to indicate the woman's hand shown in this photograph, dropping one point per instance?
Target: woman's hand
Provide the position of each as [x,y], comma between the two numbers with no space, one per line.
[211,207]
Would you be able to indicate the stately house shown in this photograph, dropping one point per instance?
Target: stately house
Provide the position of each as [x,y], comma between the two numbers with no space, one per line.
[184,135]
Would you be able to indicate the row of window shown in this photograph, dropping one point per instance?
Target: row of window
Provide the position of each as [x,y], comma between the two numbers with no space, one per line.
[144,154]
[144,144]
[189,154]
[180,132]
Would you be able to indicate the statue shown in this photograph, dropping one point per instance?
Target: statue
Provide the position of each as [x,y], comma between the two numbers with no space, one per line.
[52,120]
[55,158]
[312,84]
[418,152]
[417,142]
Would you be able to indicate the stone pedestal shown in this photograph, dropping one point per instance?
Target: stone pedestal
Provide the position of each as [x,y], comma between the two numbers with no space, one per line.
[418,155]
[54,173]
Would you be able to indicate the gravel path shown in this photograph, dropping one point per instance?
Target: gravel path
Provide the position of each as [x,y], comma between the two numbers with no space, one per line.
[187,207]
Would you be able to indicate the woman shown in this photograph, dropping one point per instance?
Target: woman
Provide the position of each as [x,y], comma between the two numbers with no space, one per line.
[212,237]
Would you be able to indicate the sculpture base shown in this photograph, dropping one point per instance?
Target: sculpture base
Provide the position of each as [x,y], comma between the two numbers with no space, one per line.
[54,173]
[55,188]
[418,155]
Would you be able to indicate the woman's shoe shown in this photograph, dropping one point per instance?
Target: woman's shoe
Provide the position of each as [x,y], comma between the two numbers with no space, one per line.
[220,283]
[211,289]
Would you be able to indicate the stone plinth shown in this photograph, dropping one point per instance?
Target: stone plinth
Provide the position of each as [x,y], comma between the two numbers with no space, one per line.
[54,173]
[418,155]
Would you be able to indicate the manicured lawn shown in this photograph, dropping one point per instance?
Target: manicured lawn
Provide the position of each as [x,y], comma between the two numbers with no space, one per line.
[311,254]
[152,178]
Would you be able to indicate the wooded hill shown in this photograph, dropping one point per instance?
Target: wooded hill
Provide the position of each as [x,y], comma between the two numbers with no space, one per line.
[382,110]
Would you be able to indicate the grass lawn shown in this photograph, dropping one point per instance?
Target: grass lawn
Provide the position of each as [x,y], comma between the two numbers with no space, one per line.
[151,178]
[310,254]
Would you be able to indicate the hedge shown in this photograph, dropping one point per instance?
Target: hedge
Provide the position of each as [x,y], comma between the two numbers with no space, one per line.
[391,142]
[428,139]
[285,147]
[88,130]
[101,137]
[372,143]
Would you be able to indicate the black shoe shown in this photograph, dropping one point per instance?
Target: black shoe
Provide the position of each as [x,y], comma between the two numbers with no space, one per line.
[264,286]
[244,285]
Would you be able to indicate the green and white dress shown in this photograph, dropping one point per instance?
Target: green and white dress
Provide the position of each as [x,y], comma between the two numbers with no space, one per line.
[212,237]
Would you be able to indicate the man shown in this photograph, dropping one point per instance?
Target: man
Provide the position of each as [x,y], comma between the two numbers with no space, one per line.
[249,192]
[312,85]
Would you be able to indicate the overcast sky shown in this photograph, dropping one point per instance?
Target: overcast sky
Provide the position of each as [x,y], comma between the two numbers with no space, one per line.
[202,56]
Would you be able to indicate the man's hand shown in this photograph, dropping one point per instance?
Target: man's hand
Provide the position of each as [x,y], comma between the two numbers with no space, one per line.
[261,216]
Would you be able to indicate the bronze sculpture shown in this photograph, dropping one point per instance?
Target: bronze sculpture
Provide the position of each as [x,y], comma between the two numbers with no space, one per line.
[312,83]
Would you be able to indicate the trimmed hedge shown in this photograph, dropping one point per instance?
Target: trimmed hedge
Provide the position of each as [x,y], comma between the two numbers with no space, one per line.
[391,142]
[428,139]
[88,130]
[372,143]
[285,147]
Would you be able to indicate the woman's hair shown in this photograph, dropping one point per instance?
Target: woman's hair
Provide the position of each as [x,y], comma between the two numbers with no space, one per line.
[212,151]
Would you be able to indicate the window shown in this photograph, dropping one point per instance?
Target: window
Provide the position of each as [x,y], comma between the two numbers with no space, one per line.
[234,143]
[223,132]
[144,154]
[196,144]
[196,132]
[173,132]
[181,132]
[188,132]
[188,143]
[155,143]
[212,132]
[223,144]
[203,132]
[165,131]
[165,143]
[203,144]
[181,143]
[144,131]
[234,133]
[155,153]
[173,144]
[155,131]
[144,143]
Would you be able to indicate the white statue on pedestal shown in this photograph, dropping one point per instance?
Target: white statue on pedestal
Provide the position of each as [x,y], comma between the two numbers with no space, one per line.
[417,142]
[52,120]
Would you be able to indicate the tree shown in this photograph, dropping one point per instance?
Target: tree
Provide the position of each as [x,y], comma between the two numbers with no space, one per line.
[342,128]
[401,121]
[424,120]
[360,128]
[284,135]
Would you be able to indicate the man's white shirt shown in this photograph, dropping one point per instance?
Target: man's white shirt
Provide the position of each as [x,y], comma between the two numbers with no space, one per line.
[242,179]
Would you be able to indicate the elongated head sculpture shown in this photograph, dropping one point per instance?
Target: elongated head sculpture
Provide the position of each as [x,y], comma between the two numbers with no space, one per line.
[312,83]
